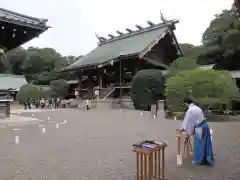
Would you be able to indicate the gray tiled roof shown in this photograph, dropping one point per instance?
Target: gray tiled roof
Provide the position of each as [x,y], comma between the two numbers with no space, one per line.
[20,19]
[126,44]
[14,82]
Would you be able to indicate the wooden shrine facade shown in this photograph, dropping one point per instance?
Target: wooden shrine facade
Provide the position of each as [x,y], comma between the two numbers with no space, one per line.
[117,59]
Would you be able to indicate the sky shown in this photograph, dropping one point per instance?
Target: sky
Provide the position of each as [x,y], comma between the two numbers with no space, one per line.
[75,22]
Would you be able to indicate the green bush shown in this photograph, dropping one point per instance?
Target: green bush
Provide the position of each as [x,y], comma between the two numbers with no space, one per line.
[28,91]
[45,93]
[144,81]
[181,64]
[59,88]
[210,88]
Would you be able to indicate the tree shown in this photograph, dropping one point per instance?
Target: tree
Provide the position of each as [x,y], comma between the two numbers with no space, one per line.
[15,60]
[28,91]
[222,40]
[45,91]
[42,60]
[214,88]
[147,88]
[39,65]
[44,78]
[185,47]
[181,64]
[59,88]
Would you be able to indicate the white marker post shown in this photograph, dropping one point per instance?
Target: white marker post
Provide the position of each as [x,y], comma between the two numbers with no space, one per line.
[141,114]
[43,130]
[175,118]
[48,118]
[65,121]
[57,126]
[154,116]
[16,139]
[211,133]
[179,160]
[179,156]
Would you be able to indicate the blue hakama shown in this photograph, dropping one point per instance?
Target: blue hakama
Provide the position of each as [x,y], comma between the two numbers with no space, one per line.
[202,150]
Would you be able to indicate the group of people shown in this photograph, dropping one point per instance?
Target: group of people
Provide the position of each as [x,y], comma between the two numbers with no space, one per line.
[42,103]
[195,124]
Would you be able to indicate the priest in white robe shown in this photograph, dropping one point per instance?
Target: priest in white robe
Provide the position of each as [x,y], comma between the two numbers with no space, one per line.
[195,124]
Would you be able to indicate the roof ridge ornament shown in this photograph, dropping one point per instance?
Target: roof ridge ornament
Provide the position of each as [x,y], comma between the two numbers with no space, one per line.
[150,23]
[111,36]
[120,33]
[139,27]
[164,20]
[100,38]
[129,30]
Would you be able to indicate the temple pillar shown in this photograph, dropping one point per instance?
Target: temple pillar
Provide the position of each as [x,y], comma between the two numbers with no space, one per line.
[136,67]
[100,78]
[90,86]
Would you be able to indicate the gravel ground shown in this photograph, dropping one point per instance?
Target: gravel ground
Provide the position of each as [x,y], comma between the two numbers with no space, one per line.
[97,145]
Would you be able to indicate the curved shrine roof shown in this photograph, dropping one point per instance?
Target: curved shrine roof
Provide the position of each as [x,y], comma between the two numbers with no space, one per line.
[131,43]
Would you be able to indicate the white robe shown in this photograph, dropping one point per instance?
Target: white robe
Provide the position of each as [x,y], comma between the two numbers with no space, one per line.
[193,116]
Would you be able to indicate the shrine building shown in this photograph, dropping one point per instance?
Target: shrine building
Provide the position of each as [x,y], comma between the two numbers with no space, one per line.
[117,58]
[15,30]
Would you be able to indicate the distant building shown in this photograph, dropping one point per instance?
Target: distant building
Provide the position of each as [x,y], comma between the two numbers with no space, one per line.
[12,83]
[15,30]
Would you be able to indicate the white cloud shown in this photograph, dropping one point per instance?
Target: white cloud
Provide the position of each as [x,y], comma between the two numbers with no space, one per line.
[74,22]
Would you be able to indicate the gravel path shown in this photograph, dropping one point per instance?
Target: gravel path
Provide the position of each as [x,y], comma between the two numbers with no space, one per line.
[97,145]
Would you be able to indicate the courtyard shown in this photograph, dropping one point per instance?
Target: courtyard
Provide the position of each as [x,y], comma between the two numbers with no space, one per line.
[97,145]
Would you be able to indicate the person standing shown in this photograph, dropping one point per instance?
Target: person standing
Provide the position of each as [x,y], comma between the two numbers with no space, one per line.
[25,105]
[29,103]
[195,124]
[42,103]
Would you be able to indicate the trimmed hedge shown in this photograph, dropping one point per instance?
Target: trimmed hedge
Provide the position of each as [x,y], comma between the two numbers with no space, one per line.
[28,91]
[210,88]
[147,88]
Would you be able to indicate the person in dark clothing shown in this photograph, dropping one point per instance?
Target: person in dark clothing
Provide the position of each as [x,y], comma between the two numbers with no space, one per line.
[29,104]
[37,103]
[50,102]
[25,105]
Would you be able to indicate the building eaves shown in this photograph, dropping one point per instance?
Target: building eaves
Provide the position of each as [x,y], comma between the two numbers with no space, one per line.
[23,20]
